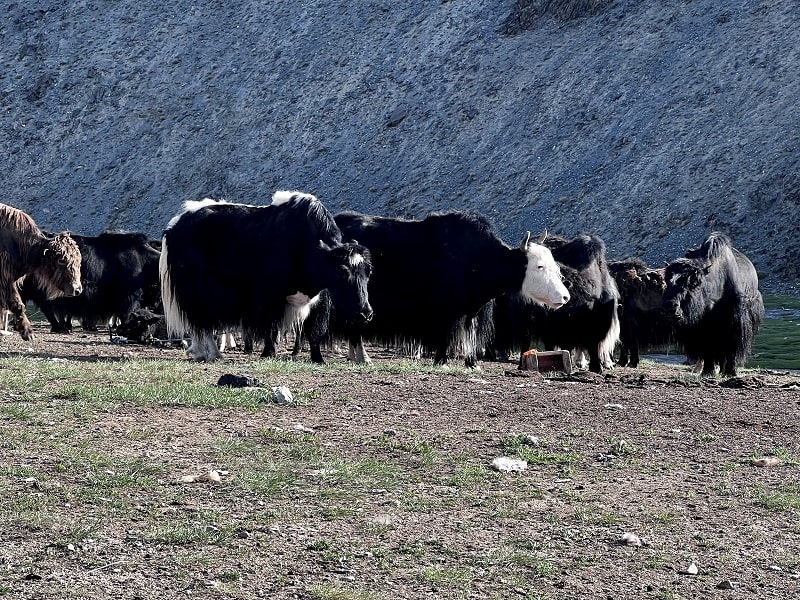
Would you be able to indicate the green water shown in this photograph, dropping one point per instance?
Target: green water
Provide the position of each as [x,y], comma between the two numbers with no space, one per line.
[777,345]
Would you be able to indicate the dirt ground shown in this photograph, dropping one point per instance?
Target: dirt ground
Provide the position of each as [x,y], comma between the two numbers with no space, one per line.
[634,478]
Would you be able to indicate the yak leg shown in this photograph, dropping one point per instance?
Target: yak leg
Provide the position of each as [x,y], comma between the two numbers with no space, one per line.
[355,350]
[470,343]
[440,357]
[317,333]
[316,336]
[269,344]
[248,342]
[314,348]
[623,356]
[204,347]
[634,354]
[708,364]
[298,340]
[16,306]
[6,322]
[729,366]
[579,358]
[594,360]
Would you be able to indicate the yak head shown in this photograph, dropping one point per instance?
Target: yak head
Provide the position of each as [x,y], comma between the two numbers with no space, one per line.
[346,272]
[684,301]
[543,280]
[58,272]
[649,295]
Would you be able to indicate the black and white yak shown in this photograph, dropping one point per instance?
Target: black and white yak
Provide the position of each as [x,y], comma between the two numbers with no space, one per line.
[589,323]
[227,266]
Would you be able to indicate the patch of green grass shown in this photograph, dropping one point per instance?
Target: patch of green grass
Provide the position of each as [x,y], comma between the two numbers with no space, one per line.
[470,476]
[413,502]
[705,438]
[336,592]
[87,461]
[452,578]
[17,471]
[18,411]
[76,533]
[623,448]
[107,480]
[517,557]
[787,457]
[593,515]
[26,504]
[415,549]
[201,528]
[163,394]
[669,595]
[365,474]
[784,499]
[504,506]
[729,467]
[266,481]
[665,517]
[412,444]
[539,456]
[523,447]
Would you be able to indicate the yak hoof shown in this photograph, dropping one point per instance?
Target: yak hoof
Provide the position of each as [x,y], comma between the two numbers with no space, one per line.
[25,331]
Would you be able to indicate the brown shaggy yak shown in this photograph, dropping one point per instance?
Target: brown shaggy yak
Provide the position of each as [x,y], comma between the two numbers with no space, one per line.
[53,261]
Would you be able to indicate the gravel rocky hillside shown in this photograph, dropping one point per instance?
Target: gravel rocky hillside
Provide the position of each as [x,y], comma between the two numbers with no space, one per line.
[650,123]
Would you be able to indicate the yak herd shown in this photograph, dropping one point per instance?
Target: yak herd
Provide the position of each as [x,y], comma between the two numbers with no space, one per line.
[445,285]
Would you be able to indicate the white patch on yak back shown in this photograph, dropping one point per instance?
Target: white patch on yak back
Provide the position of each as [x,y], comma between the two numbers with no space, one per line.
[194,205]
[284,196]
[542,281]
[356,259]
[191,206]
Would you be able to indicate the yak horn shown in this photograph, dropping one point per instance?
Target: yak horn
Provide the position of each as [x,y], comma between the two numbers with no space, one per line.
[543,238]
[525,240]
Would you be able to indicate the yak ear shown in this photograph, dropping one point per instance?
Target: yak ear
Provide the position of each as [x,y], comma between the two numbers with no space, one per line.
[323,246]
[524,245]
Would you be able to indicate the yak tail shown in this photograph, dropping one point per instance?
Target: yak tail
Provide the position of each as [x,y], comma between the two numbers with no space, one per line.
[173,315]
[296,313]
[751,314]
[607,345]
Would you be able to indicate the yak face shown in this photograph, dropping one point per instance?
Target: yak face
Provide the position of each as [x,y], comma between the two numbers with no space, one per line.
[543,281]
[683,297]
[59,271]
[649,294]
[347,272]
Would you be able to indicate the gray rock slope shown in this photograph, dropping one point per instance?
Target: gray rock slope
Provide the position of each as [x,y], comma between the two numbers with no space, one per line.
[649,123]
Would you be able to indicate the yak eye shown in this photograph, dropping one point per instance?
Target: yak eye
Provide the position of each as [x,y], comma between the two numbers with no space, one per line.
[62,262]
